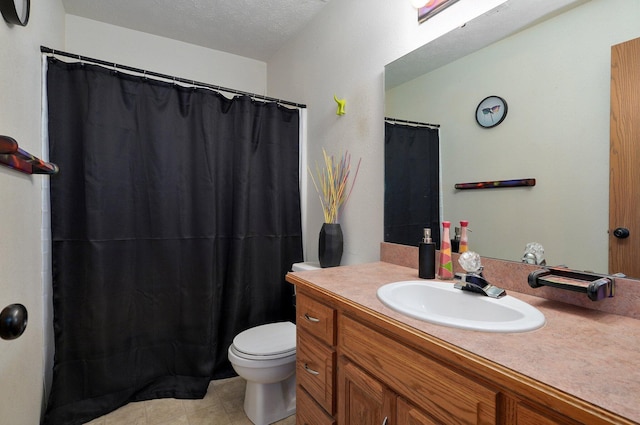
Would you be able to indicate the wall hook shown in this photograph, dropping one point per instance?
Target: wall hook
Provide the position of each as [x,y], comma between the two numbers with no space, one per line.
[341,105]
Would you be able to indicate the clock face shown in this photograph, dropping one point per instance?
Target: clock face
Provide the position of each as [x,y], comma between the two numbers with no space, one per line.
[15,11]
[491,111]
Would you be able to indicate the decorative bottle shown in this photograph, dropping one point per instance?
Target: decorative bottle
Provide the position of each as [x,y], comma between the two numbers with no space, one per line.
[427,256]
[464,238]
[445,268]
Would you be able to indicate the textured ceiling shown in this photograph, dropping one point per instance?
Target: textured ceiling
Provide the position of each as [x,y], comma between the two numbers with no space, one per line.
[233,26]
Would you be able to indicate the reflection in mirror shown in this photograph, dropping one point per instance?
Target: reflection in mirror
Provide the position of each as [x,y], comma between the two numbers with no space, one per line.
[555,76]
[412,182]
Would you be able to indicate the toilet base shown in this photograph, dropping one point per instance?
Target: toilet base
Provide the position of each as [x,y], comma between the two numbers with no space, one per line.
[265,404]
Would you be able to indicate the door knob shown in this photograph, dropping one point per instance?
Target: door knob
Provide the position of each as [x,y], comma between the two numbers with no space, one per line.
[13,321]
[621,233]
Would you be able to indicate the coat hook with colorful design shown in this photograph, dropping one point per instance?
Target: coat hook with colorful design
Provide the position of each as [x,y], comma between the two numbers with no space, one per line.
[341,104]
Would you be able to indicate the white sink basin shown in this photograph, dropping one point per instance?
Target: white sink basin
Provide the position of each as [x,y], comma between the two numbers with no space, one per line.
[442,304]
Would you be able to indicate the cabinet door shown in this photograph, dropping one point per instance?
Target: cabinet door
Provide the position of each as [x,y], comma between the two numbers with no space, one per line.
[362,399]
[411,415]
[308,412]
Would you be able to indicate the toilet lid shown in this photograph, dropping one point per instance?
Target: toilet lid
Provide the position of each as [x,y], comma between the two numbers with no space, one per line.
[267,340]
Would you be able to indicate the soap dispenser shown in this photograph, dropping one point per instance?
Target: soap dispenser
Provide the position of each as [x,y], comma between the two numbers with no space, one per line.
[455,242]
[427,256]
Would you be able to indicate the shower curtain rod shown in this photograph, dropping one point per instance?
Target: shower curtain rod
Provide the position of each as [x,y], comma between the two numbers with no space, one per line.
[412,122]
[116,66]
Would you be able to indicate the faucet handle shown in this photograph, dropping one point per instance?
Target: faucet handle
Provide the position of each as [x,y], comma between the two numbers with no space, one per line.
[470,262]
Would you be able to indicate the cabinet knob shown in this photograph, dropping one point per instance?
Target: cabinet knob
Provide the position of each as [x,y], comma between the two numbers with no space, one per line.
[311,318]
[385,421]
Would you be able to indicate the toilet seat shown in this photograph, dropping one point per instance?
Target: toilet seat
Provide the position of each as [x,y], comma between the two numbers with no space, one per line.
[266,342]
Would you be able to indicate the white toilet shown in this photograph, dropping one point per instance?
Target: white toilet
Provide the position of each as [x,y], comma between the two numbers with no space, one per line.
[265,356]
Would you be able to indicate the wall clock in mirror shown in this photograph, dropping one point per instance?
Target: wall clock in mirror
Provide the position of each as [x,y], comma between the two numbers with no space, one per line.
[491,111]
[15,11]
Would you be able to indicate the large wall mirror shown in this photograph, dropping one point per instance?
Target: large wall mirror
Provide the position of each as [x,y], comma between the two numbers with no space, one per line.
[555,77]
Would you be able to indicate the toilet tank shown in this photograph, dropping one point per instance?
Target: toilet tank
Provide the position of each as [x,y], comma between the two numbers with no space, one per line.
[299,267]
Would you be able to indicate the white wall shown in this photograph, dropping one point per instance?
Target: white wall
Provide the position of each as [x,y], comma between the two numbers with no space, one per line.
[21,360]
[166,56]
[556,80]
[343,52]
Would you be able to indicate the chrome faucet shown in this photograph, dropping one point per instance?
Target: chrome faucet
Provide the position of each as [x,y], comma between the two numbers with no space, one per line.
[477,283]
[473,280]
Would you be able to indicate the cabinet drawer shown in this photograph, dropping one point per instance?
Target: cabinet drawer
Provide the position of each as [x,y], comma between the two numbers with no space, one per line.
[308,412]
[444,394]
[316,318]
[529,415]
[411,415]
[315,366]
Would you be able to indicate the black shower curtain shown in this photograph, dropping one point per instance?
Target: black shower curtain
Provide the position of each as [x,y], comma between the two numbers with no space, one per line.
[412,183]
[175,216]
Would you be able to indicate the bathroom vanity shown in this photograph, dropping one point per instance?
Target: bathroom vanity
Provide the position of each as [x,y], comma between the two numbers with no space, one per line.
[359,362]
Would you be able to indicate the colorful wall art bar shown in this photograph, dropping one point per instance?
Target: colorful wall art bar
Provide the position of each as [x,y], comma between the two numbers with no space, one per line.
[12,156]
[496,184]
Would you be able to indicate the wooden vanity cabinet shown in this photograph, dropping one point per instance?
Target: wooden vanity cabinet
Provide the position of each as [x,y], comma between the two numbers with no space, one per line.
[357,367]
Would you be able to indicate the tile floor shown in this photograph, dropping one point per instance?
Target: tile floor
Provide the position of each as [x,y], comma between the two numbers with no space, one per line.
[221,406]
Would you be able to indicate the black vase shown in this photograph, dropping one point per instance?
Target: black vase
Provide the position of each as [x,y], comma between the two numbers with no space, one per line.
[330,245]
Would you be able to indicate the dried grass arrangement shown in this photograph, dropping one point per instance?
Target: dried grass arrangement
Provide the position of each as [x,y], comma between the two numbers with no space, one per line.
[332,184]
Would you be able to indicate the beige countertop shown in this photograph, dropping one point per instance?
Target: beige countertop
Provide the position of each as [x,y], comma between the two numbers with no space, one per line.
[590,354]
